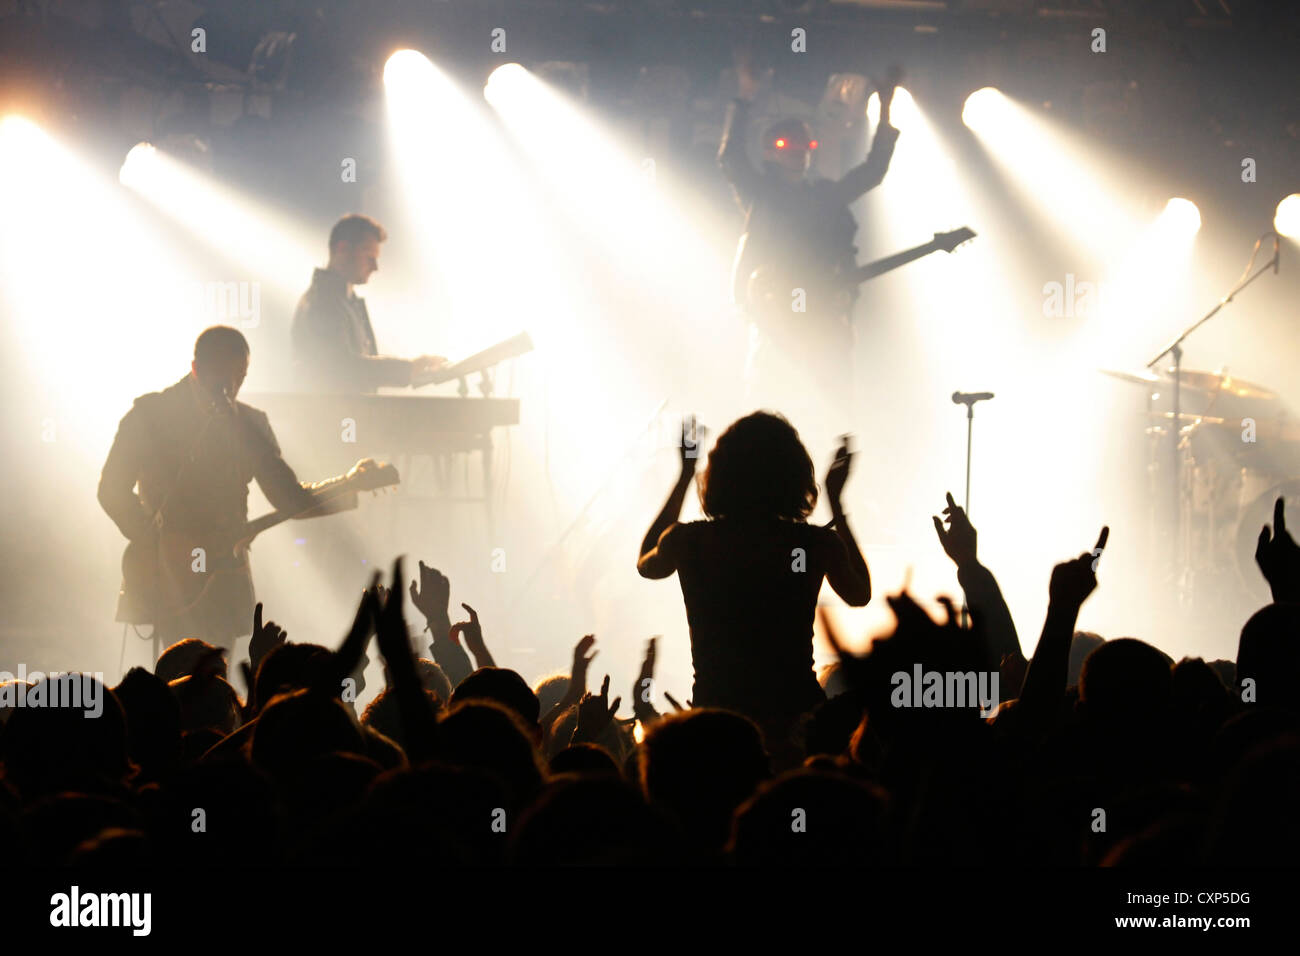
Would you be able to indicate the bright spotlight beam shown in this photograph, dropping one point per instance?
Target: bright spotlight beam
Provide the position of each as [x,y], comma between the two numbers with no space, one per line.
[609,191]
[269,247]
[1066,178]
[129,307]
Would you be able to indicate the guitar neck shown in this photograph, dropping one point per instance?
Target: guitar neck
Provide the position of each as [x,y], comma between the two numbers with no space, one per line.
[889,263]
[273,518]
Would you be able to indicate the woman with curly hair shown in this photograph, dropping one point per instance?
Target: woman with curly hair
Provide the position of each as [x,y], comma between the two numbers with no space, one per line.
[751,572]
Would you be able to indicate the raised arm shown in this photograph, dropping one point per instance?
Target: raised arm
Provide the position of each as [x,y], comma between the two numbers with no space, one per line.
[989,611]
[735,164]
[1048,674]
[658,557]
[869,174]
[415,709]
[430,596]
[472,631]
[846,567]
[1278,558]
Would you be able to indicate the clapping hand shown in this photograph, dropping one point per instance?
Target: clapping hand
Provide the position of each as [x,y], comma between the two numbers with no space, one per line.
[838,473]
[642,706]
[390,623]
[430,597]
[692,444]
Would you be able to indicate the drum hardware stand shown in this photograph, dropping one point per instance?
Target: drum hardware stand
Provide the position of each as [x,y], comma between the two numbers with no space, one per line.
[1175,348]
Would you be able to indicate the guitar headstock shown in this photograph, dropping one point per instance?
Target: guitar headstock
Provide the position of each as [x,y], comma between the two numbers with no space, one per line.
[948,241]
[371,475]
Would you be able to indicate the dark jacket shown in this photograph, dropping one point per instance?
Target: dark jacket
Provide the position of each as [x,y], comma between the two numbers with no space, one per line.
[804,228]
[192,464]
[333,342]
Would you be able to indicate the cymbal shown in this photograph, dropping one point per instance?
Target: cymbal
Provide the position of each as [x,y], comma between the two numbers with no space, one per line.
[1190,417]
[1214,382]
[1140,377]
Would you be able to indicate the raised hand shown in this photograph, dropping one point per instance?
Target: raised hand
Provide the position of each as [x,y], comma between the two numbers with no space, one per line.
[344,661]
[414,705]
[838,473]
[578,673]
[1073,581]
[642,706]
[577,686]
[431,596]
[266,638]
[885,89]
[959,539]
[390,622]
[692,445]
[1278,557]
[473,633]
[595,714]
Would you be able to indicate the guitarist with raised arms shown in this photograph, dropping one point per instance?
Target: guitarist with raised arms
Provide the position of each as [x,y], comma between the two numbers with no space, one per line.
[176,484]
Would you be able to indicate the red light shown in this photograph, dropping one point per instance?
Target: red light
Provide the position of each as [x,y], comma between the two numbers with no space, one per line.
[813,144]
[779,144]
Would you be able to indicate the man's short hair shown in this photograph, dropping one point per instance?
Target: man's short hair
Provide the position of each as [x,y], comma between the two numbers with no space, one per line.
[356,228]
[218,345]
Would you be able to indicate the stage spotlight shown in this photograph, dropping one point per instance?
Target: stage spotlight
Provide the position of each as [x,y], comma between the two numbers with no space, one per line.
[405,71]
[141,158]
[1287,218]
[1181,217]
[501,80]
[983,107]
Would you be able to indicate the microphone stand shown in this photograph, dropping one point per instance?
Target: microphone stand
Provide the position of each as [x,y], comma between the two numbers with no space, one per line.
[1175,348]
[969,401]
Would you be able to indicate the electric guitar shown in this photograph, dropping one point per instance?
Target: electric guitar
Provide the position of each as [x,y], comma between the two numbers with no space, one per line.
[769,293]
[168,573]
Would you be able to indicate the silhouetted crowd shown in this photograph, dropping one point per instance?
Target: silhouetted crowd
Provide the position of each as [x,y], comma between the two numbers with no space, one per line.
[943,745]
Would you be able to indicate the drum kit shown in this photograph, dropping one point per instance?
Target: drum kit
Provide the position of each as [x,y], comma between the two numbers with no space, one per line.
[1238,451]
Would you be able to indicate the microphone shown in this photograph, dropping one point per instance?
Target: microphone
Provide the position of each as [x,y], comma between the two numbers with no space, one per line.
[223,401]
[970,398]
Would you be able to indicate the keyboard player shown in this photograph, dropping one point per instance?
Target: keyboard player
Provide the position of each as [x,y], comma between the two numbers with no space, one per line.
[334,347]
